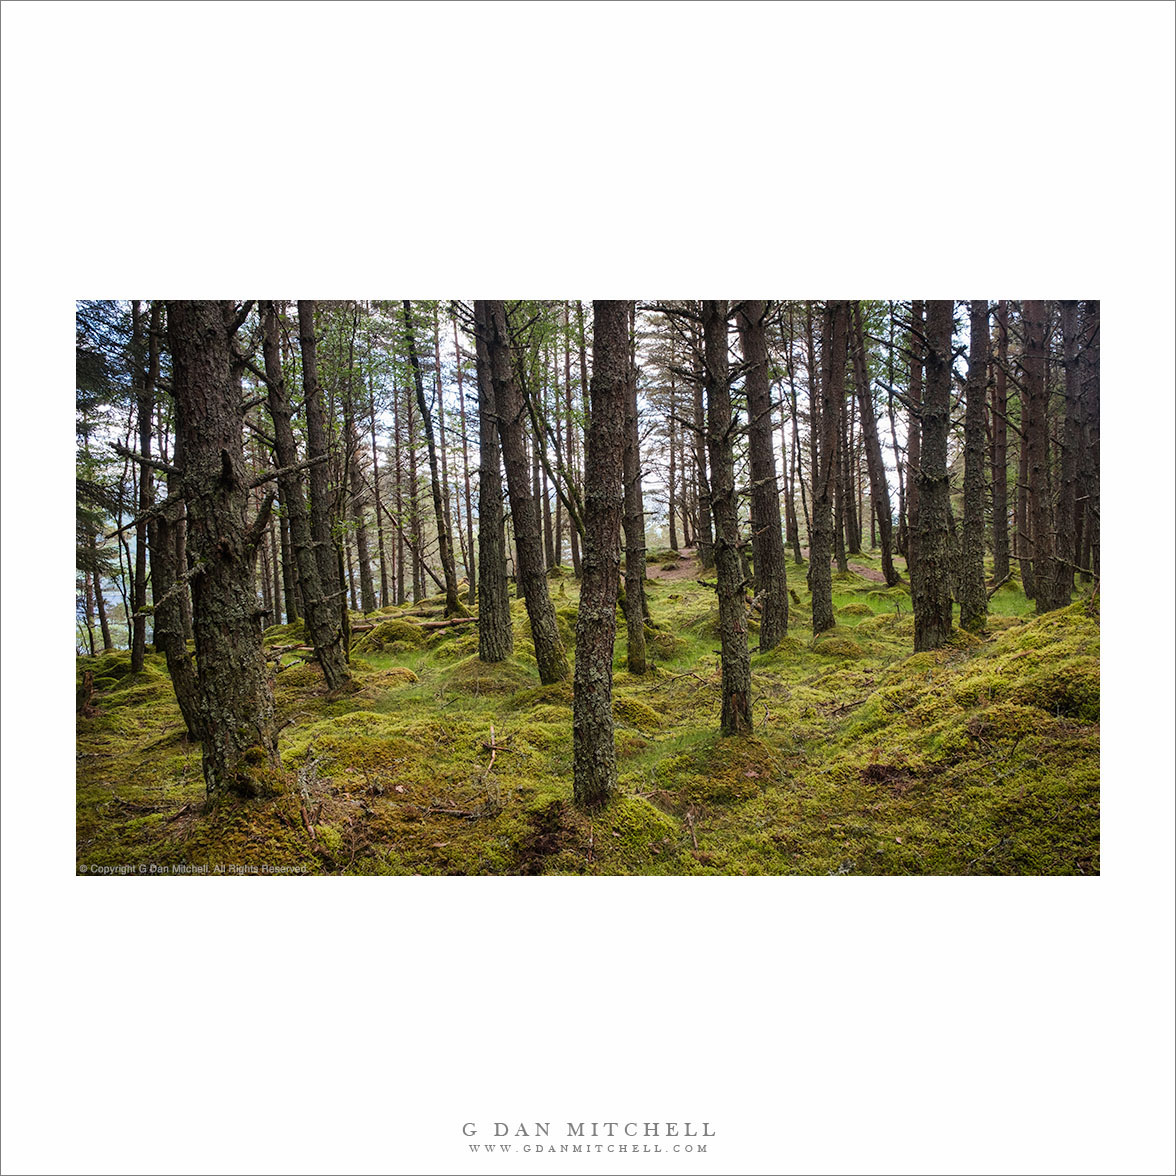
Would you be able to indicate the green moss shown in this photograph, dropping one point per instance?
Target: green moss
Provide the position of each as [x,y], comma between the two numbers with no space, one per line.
[635,713]
[855,609]
[838,647]
[473,676]
[387,633]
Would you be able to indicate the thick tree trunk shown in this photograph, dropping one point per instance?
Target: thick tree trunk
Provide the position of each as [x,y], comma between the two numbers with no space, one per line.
[322,612]
[636,608]
[594,766]
[767,540]
[972,592]
[1000,473]
[495,636]
[236,703]
[735,659]
[879,490]
[510,409]
[832,393]
[326,553]
[453,606]
[931,573]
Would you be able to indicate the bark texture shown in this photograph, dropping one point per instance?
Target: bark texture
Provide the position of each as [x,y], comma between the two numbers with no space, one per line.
[495,636]
[972,591]
[636,608]
[236,702]
[767,539]
[735,658]
[322,614]
[510,411]
[832,392]
[593,744]
[932,572]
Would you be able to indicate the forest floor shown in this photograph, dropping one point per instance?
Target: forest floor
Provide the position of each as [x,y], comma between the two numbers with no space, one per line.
[981,758]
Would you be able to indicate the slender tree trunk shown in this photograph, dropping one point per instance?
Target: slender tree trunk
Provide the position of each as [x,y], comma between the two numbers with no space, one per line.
[573,532]
[1067,551]
[322,613]
[972,594]
[236,703]
[735,660]
[1000,473]
[169,591]
[839,487]
[100,605]
[358,496]
[931,574]
[636,609]
[293,593]
[879,490]
[453,606]
[509,410]
[276,573]
[145,378]
[326,553]
[594,777]
[853,531]
[706,552]
[1036,426]
[914,432]
[471,570]
[798,473]
[767,540]
[1091,341]
[377,498]
[832,393]
[88,591]
[495,636]
[401,591]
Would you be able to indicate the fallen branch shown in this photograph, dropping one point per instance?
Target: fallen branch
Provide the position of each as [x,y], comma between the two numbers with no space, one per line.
[998,585]
[448,624]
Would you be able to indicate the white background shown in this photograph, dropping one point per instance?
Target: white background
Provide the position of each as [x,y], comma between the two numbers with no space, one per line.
[599,150]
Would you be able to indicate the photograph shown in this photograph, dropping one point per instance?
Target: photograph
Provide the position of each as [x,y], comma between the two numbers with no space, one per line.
[568,586]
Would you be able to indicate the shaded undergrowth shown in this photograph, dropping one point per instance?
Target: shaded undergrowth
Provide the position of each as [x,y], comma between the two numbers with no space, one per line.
[981,758]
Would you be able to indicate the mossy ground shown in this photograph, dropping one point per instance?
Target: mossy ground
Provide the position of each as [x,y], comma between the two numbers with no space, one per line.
[981,758]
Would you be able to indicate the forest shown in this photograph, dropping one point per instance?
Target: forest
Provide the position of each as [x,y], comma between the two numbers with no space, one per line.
[565,587]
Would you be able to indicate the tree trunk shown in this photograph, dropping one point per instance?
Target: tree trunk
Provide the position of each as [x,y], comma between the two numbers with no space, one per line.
[509,407]
[972,592]
[636,608]
[1000,473]
[289,570]
[326,553]
[573,531]
[735,659]
[358,496]
[767,540]
[453,606]
[703,533]
[495,636]
[1067,552]
[832,393]
[236,703]
[471,568]
[275,572]
[594,777]
[322,614]
[1036,425]
[169,591]
[931,573]
[1091,340]
[914,432]
[879,490]
[376,493]
[145,379]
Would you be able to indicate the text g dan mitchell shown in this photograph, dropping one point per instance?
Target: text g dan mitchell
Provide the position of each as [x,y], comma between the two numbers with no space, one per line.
[608,1129]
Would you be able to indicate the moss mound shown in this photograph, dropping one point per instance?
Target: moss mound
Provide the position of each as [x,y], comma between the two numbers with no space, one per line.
[476,677]
[400,632]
